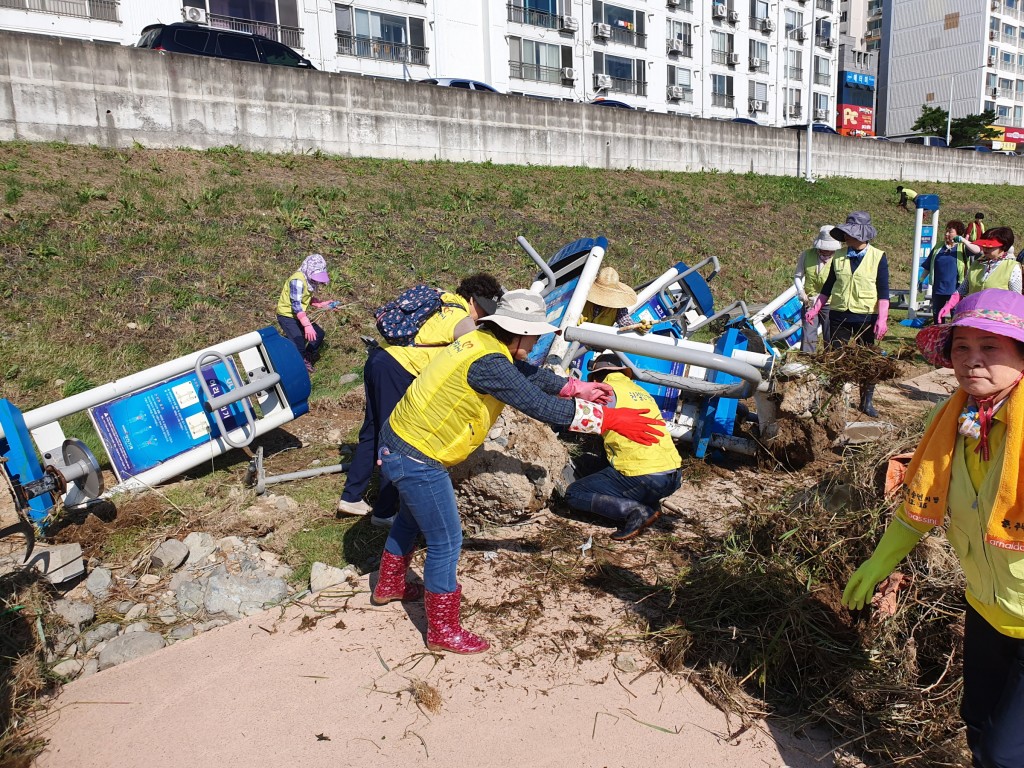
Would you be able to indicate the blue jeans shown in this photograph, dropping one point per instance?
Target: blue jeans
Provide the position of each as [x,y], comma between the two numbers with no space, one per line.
[293,330]
[384,381]
[647,489]
[426,504]
[993,701]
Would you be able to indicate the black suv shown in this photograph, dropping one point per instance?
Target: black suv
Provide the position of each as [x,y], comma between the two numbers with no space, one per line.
[183,37]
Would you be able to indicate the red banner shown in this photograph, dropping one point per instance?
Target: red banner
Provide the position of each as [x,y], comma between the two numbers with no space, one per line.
[856,121]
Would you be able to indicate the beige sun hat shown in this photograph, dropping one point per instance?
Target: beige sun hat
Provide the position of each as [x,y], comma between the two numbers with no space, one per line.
[825,241]
[609,291]
[523,313]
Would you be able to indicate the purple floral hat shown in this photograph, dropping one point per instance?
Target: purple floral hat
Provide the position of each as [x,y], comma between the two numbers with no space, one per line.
[994,310]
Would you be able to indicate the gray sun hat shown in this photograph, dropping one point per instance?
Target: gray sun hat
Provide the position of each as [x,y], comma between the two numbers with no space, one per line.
[825,241]
[858,226]
[523,313]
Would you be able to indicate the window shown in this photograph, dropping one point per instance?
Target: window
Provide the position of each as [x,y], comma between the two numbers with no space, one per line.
[759,55]
[721,47]
[627,25]
[1002,112]
[193,39]
[1018,115]
[721,91]
[682,35]
[537,13]
[1008,58]
[275,53]
[758,95]
[822,71]
[681,77]
[375,35]
[821,102]
[990,106]
[794,21]
[541,62]
[758,13]
[795,65]
[237,47]
[628,75]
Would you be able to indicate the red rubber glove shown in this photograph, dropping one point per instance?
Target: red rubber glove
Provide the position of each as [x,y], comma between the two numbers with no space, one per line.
[947,308]
[307,327]
[631,423]
[594,391]
[812,313]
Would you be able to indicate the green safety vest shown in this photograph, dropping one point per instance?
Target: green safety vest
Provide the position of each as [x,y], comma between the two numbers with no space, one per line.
[856,292]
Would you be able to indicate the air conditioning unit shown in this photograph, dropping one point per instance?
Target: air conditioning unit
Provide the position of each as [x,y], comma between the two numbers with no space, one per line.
[995,92]
[991,61]
[568,73]
[602,81]
[756,63]
[195,15]
[828,42]
[602,30]
[993,35]
[734,17]
[568,23]
[733,59]
[719,11]
[821,114]
[676,91]
[756,105]
[793,110]
[676,46]
[800,35]
[672,3]
[767,25]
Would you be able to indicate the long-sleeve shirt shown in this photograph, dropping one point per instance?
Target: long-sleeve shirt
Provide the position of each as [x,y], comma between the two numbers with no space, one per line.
[1015,283]
[881,285]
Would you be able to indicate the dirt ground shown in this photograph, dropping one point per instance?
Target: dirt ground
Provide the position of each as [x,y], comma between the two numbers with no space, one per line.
[567,681]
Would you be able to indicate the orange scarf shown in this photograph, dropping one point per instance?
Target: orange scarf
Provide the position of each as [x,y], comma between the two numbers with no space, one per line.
[926,485]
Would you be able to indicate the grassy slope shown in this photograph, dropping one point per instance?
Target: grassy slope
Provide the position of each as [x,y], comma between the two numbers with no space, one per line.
[194,246]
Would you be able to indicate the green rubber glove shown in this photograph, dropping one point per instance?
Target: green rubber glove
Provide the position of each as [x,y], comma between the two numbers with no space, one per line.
[895,544]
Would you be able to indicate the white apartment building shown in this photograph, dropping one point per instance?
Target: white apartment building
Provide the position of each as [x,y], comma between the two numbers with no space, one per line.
[768,61]
[965,56]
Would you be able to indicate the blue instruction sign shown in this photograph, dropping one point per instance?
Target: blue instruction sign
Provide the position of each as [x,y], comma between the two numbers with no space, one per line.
[148,427]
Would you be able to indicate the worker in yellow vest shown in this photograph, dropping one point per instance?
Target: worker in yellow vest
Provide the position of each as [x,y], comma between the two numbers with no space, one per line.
[630,490]
[297,296]
[993,266]
[608,299]
[976,228]
[946,265]
[812,267]
[444,416]
[906,195]
[857,289]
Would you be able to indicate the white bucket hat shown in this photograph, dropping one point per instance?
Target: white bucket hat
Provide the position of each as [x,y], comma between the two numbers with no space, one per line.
[825,241]
[523,313]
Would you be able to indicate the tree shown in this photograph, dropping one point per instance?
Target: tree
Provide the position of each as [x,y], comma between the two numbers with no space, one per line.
[963,130]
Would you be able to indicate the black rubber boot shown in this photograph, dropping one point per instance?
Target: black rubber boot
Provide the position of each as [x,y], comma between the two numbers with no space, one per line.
[633,515]
[867,407]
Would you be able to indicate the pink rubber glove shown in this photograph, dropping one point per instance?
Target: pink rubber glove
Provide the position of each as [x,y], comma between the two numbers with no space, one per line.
[322,303]
[593,391]
[307,327]
[882,323]
[947,308]
[812,313]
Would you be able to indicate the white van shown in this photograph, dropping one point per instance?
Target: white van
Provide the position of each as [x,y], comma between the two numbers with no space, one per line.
[917,138]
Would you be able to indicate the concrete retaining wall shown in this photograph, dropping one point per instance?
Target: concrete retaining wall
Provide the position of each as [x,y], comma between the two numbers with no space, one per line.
[57,89]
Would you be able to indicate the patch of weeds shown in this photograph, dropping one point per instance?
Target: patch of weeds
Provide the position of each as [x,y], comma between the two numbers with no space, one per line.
[334,542]
[13,191]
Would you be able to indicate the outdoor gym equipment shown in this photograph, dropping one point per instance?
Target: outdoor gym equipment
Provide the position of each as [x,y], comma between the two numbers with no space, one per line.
[925,236]
[257,477]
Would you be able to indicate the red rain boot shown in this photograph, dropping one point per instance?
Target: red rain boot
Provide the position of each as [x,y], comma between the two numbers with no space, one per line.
[444,631]
[391,583]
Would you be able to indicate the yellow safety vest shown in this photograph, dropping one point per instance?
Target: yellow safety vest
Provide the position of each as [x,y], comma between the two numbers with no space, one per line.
[433,336]
[814,278]
[284,304]
[606,316]
[441,415]
[999,277]
[856,291]
[629,458]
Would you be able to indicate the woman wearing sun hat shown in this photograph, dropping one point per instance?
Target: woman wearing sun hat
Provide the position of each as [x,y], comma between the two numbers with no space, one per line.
[968,466]
[607,299]
[812,268]
[297,295]
[443,417]
[857,289]
[992,267]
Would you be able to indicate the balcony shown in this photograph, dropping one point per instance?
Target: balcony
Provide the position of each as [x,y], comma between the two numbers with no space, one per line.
[101,10]
[628,37]
[722,100]
[531,17]
[382,50]
[758,65]
[1005,93]
[719,57]
[824,5]
[685,96]
[683,48]
[795,73]
[625,85]
[794,111]
[290,36]
[535,72]
[822,78]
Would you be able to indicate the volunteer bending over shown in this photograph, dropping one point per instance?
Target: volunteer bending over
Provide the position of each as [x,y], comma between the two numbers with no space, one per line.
[443,417]
[969,465]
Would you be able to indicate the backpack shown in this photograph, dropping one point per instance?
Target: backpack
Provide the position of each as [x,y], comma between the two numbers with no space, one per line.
[401,319]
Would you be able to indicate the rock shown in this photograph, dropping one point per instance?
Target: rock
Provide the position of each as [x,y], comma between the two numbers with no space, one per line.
[132,326]
[283,572]
[323,576]
[149,579]
[98,582]
[270,558]
[95,636]
[136,612]
[128,647]
[68,668]
[624,662]
[138,626]
[91,667]
[335,436]
[124,606]
[206,626]
[200,546]
[238,596]
[191,596]
[59,563]
[182,633]
[170,554]
[167,615]
[347,378]
[74,613]
[230,543]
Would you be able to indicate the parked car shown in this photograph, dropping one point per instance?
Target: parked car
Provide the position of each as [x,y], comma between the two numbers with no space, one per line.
[454,82]
[603,102]
[975,148]
[186,37]
[928,141]
[816,127]
[744,120]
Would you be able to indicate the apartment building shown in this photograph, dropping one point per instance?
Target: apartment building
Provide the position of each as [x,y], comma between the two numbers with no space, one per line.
[774,62]
[965,56]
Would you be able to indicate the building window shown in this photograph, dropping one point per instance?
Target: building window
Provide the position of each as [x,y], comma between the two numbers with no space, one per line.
[627,25]
[541,62]
[758,13]
[101,10]
[383,36]
[721,91]
[680,84]
[679,37]
[759,56]
[757,96]
[794,21]
[1018,115]
[822,71]
[536,13]
[276,19]
[627,75]
[721,47]
[795,65]
[793,107]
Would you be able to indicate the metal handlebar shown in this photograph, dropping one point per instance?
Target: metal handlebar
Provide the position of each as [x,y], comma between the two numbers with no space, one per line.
[213,403]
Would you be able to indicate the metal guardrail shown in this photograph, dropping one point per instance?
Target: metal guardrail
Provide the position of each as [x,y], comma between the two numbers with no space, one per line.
[101,10]
[372,48]
[520,15]
[290,36]
[535,72]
